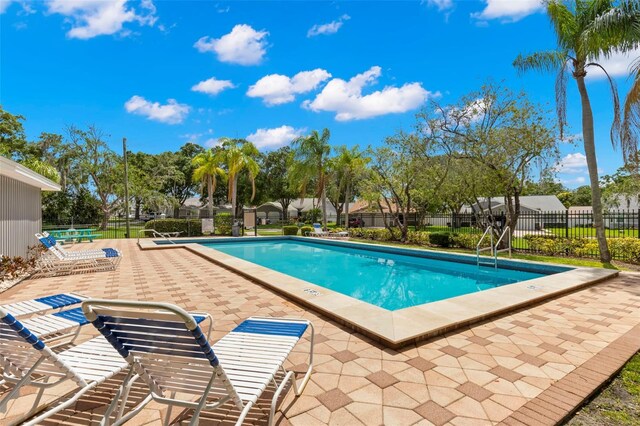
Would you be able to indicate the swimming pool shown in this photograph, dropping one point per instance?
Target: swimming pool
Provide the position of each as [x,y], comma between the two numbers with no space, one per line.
[392,279]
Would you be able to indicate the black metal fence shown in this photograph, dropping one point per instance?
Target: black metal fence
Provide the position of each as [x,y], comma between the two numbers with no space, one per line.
[115,228]
[556,233]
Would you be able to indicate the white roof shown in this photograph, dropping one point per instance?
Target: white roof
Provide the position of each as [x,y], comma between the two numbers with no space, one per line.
[23,174]
[622,202]
[545,203]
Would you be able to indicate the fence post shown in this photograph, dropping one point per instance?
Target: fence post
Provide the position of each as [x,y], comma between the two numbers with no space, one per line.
[566,224]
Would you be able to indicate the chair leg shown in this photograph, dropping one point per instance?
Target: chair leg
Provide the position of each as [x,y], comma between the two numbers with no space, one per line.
[290,377]
[168,415]
[244,413]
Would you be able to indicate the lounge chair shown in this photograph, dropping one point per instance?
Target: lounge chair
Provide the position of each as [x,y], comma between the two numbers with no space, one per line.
[76,253]
[56,327]
[43,304]
[166,347]
[28,361]
[318,231]
[59,261]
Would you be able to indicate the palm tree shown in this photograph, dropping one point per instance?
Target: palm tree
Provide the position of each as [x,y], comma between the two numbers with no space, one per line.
[207,169]
[587,30]
[631,118]
[350,165]
[311,161]
[239,155]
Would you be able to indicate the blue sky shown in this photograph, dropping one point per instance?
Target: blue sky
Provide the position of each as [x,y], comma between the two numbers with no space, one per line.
[163,73]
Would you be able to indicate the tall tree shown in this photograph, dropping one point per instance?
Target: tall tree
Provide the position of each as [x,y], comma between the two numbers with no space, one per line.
[98,166]
[178,182]
[501,134]
[311,162]
[350,167]
[277,170]
[239,156]
[587,30]
[207,169]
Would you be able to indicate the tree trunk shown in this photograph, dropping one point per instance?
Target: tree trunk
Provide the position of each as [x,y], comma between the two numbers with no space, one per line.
[210,195]
[347,197]
[324,208]
[234,196]
[105,219]
[137,209]
[592,164]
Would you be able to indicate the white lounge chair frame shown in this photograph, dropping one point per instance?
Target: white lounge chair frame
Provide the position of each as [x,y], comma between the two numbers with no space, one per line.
[59,261]
[182,361]
[28,361]
[43,304]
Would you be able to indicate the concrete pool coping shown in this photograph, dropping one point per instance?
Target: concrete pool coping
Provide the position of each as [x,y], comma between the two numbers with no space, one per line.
[403,326]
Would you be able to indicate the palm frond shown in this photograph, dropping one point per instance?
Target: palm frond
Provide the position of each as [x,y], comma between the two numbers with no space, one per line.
[610,28]
[561,98]
[547,61]
[616,125]
[564,22]
[631,117]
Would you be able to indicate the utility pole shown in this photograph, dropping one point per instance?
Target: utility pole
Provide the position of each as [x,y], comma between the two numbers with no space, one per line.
[126,186]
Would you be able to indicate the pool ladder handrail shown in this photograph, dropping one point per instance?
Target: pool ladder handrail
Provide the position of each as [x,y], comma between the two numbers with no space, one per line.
[489,231]
[157,234]
[493,247]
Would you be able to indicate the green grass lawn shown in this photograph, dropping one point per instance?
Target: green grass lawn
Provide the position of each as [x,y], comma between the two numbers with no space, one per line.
[591,232]
[617,404]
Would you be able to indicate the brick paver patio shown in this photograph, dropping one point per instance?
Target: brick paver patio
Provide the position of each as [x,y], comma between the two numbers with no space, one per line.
[530,367]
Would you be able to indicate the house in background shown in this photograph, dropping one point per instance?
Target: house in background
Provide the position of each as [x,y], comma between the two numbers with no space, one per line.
[537,211]
[20,206]
[620,212]
[273,210]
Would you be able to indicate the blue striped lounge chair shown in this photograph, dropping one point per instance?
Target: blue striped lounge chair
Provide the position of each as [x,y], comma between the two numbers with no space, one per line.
[44,304]
[58,260]
[28,361]
[167,349]
[317,231]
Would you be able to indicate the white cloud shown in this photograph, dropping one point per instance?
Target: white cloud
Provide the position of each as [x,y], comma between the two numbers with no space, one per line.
[330,28]
[274,138]
[617,65]
[508,10]
[91,18]
[572,163]
[345,98]
[4,5]
[442,5]
[276,89]
[212,86]
[577,181]
[212,142]
[171,113]
[243,45]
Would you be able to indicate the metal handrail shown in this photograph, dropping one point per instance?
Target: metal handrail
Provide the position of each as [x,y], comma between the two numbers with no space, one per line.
[157,234]
[478,249]
[506,231]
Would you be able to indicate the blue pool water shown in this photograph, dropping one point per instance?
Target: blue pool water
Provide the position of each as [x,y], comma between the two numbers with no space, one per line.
[389,280]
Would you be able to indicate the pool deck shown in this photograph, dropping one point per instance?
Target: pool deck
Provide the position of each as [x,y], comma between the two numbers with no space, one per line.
[398,328]
[533,366]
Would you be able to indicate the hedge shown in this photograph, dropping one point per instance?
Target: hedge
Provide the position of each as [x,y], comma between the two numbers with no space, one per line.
[627,249]
[222,223]
[441,239]
[189,227]
[290,230]
[305,230]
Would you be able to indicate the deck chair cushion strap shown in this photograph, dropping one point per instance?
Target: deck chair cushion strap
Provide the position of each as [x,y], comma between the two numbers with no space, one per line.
[59,300]
[111,338]
[74,315]
[23,332]
[274,328]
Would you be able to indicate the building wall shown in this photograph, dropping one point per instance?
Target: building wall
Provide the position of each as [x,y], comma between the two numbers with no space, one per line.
[20,216]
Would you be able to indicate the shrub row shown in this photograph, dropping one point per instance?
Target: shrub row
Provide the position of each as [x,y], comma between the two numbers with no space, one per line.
[290,230]
[627,249]
[189,227]
[439,239]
